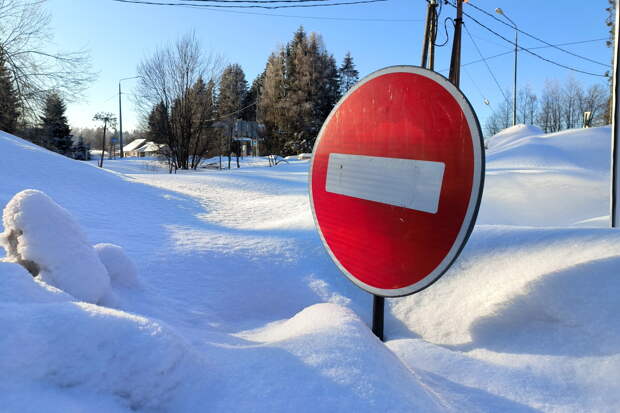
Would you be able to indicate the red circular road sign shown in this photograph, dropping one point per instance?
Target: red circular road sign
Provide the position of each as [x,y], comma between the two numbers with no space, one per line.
[396,179]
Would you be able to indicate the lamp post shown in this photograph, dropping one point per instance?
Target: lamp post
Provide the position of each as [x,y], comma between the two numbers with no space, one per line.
[514,93]
[120,113]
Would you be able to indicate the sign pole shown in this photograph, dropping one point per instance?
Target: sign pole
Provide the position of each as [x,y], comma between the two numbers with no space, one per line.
[615,113]
[378,307]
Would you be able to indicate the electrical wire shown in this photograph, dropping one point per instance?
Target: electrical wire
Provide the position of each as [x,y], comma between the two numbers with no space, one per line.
[537,38]
[353,19]
[153,3]
[485,62]
[526,49]
[531,48]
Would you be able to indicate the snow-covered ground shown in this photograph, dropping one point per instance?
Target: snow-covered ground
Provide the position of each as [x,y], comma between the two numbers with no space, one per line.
[235,306]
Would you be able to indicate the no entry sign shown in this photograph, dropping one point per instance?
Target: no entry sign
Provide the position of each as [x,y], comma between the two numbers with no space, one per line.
[396,179]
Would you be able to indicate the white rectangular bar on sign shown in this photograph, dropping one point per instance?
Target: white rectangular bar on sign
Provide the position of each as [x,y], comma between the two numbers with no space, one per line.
[407,183]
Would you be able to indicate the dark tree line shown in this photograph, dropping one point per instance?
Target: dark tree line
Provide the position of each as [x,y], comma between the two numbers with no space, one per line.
[191,101]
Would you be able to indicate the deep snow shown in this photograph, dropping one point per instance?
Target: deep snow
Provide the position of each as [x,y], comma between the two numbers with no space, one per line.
[239,308]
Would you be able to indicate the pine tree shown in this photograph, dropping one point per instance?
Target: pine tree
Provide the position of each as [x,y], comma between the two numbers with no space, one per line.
[348,74]
[56,131]
[8,100]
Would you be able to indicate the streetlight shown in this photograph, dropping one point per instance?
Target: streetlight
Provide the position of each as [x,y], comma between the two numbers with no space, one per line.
[120,111]
[514,93]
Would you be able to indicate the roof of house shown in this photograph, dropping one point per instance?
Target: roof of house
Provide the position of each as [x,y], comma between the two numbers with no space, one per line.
[133,145]
[149,147]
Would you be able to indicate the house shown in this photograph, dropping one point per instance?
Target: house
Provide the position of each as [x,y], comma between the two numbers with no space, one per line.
[131,149]
[149,149]
[248,134]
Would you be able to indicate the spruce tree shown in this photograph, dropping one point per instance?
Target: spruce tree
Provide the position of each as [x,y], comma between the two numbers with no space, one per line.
[56,131]
[348,74]
[8,100]
[232,91]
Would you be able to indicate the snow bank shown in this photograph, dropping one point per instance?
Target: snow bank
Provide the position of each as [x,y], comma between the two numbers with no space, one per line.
[556,179]
[18,286]
[92,356]
[44,238]
[343,362]
[512,135]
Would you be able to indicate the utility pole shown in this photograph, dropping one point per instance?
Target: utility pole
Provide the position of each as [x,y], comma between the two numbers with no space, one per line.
[455,60]
[120,119]
[120,112]
[105,125]
[430,31]
[615,113]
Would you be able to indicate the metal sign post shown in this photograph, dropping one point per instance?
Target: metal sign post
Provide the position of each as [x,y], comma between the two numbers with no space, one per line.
[396,180]
[615,113]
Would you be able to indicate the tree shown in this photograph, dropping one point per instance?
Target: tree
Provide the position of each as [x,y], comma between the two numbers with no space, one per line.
[348,74]
[109,121]
[35,68]
[527,106]
[232,91]
[251,98]
[8,100]
[56,134]
[170,78]
[299,89]
[501,117]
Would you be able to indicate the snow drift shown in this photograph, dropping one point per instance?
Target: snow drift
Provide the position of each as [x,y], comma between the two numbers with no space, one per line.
[232,313]
[44,238]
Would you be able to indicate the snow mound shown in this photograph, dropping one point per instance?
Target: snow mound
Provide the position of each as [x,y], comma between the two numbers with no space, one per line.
[333,342]
[83,349]
[512,135]
[121,269]
[18,286]
[43,237]
[556,179]
[524,288]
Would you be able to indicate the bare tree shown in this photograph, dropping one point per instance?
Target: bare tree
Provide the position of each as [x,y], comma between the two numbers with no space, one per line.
[173,77]
[550,114]
[527,105]
[36,69]
[571,95]
[501,118]
[595,100]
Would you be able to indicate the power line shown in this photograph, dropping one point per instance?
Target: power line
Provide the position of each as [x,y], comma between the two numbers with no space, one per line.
[531,48]
[528,50]
[537,38]
[485,62]
[353,19]
[152,3]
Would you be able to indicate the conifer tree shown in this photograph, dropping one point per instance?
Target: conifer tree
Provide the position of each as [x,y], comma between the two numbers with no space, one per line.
[8,100]
[348,74]
[56,131]
[232,91]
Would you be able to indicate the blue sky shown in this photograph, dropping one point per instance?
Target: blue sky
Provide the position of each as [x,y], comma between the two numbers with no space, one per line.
[120,35]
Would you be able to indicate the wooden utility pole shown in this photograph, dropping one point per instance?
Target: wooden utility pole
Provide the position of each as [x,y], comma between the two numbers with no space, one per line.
[105,125]
[455,61]
[428,45]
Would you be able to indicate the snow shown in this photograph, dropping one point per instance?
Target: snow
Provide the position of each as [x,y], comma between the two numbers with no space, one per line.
[120,267]
[45,239]
[225,300]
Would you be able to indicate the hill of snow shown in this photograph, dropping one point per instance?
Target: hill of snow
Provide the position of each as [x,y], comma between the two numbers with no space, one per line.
[239,308]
